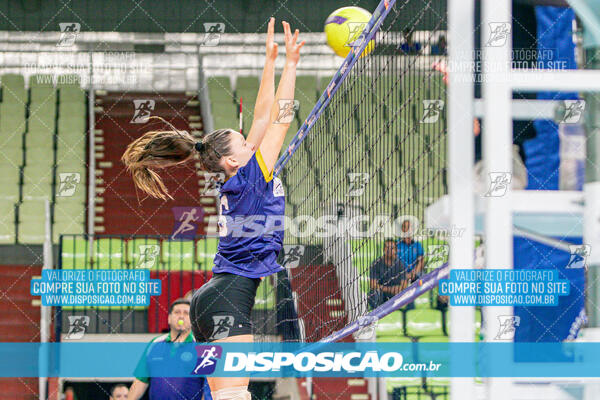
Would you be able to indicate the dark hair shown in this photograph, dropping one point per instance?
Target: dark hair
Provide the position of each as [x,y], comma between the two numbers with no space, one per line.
[115,387]
[212,147]
[160,149]
[180,300]
[388,240]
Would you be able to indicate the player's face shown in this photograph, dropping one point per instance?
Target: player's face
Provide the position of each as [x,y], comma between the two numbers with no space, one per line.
[241,150]
[120,393]
[179,319]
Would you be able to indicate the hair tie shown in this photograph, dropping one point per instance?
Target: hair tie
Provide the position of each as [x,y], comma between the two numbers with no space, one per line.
[199,146]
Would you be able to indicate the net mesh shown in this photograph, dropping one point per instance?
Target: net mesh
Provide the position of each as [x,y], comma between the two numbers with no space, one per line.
[374,159]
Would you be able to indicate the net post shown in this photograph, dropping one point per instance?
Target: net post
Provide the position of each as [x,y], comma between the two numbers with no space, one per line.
[45,311]
[497,144]
[461,23]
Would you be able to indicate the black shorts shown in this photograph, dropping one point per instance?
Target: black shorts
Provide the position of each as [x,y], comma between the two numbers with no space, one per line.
[222,307]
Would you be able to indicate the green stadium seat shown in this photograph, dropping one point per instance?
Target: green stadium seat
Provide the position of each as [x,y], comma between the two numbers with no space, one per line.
[365,252]
[71,124]
[143,253]
[205,252]
[423,301]
[419,396]
[75,252]
[69,211]
[12,80]
[424,322]
[178,255]
[42,95]
[438,384]
[41,80]
[42,122]
[12,126]
[71,109]
[71,95]
[13,89]
[71,139]
[7,222]
[39,138]
[31,227]
[38,157]
[10,188]
[62,227]
[412,384]
[32,211]
[109,253]
[434,339]
[70,155]
[31,232]
[36,191]
[392,325]
[265,295]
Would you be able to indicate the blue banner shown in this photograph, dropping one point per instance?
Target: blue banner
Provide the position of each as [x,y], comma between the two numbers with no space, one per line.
[296,360]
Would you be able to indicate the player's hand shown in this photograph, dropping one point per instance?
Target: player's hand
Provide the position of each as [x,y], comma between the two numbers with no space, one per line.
[271,45]
[292,49]
[443,68]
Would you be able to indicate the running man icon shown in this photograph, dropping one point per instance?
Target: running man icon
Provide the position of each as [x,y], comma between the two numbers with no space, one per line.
[207,359]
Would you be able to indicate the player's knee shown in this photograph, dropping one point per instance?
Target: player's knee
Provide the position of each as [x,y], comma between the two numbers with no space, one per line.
[233,393]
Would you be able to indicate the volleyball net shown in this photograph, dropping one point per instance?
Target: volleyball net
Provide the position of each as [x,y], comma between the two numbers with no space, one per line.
[367,161]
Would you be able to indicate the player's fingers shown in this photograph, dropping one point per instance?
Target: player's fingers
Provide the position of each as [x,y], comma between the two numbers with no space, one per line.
[286,30]
[271,28]
[300,45]
[295,37]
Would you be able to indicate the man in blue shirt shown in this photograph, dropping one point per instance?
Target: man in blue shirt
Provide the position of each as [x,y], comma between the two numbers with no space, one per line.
[169,388]
[386,276]
[411,253]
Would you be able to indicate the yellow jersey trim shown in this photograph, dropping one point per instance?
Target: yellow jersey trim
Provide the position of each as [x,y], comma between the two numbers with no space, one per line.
[263,167]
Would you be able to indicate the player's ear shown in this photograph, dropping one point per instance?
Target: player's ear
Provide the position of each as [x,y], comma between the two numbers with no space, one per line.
[232,162]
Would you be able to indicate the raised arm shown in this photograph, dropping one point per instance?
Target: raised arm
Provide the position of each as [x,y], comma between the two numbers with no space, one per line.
[266,91]
[284,99]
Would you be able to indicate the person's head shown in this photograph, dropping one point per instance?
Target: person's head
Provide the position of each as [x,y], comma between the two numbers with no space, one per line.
[407,33]
[179,316]
[406,230]
[389,249]
[220,151]
[119,392]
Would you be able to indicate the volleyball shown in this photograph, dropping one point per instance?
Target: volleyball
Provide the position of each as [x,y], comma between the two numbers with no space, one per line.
[344,26]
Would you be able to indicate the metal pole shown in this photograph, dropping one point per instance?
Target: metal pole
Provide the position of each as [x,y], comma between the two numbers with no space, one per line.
[461,17]
[205,106]
[92,157]
[496,42]
[45,310]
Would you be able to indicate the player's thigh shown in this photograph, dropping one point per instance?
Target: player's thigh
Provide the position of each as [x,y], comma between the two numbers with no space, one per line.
[218,383]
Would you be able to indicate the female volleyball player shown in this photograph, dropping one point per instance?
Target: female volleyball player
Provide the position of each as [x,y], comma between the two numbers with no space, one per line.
[220,310]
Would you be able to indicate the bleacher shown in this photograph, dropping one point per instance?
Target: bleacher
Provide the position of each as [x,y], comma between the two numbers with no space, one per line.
[42,156]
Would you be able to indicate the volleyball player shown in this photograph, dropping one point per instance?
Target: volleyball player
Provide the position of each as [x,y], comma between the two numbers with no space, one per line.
[221,309]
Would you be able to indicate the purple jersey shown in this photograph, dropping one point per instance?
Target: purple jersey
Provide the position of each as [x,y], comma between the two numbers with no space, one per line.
[251,221]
